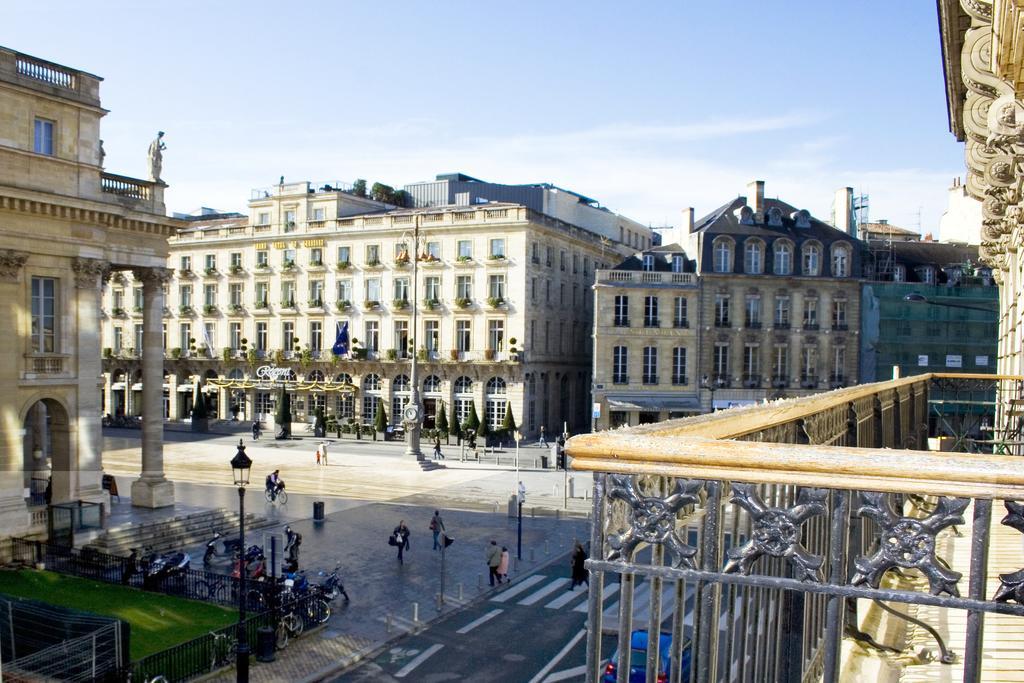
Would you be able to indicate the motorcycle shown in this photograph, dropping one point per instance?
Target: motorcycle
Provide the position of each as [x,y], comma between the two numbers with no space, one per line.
[230,545]
[331,587]
[255,564]
[156,567]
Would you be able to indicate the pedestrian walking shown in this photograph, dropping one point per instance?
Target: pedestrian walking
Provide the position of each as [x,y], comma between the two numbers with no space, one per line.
[318,457]
[323,449]
[493,561]
[256,430]
[400,537]
[542,442]
[438,455]
[503,566]
[437,526]
[580,575]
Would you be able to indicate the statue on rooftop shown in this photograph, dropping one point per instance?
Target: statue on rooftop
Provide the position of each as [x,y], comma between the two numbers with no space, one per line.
[156,156]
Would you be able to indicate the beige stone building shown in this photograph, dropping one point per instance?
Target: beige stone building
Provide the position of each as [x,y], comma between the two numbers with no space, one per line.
[504,311]
[64,224]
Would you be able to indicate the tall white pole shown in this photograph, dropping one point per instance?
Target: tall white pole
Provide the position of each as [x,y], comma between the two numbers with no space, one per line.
[414,412]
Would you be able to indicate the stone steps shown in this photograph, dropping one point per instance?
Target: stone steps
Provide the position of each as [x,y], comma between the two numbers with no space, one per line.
[174,533]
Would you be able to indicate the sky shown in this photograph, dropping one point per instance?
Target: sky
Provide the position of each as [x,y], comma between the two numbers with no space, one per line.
[647,107]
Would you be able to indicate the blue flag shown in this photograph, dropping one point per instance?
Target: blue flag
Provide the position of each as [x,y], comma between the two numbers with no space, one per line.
[340,347]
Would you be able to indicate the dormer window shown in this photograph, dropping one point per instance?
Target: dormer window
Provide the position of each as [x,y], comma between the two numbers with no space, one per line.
[677,263]
[783,258]
[723,256]
[648,262]
[841,261]
[746,215]
[774,216]
[811,259]
[753,257]
[801,218]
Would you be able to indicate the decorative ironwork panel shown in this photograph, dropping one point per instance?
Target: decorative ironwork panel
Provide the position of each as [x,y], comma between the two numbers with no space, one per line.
[651,519]
[828,427]
[1011,586]
[776,531]
[908,542]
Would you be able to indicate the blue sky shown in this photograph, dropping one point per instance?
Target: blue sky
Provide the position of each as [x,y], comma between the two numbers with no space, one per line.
[647,107]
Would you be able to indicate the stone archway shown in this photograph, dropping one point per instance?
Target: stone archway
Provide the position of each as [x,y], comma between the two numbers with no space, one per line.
[47,451]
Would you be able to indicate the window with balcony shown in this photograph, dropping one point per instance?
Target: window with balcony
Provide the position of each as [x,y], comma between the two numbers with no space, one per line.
[344,256]
[464,288]
[497,248]
[235,336]
[620,369]
[648,263]
[372,254]
[118,340]
[780,366]
[209,295]
[752,311]
[839,365]
[651,312]
[496,288]
[432,335]
[43,139]
[549,254]
[185,296]
[235,259]
[262,294]
[402,289]
[345,291]
[720,363]
[262,337]
[433,251]
[288,294]
[621,311]
[432,288]
[371,336]
[562,260]
[316,292]
[496,335]
[185,264]
[137,298]
[809,365]
[575,264]
[44,315]
[810,314]
[680,312]
[464,249]
[288,339]
[316,256]
[677,263]
[210,263]
[289,220]
[262,258]
[185,336]
[722,310]
[751,365]
[372,285]
[316,337]
[679,365]
[318,214]
[839,315]
[782,316]
[288,258]
[263,218]
[402,338]
[650,365]
[463,335]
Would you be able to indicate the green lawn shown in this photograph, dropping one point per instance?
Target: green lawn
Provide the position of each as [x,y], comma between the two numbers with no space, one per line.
[157,621]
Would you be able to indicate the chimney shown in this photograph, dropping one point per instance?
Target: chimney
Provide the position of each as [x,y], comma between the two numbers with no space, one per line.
[755,199]
[842,211]
[688,220]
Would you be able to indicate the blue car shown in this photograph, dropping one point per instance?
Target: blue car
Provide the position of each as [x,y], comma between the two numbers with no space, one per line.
[638,660]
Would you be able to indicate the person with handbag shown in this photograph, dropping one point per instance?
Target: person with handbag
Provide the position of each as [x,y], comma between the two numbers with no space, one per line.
[437,526]
[400,537]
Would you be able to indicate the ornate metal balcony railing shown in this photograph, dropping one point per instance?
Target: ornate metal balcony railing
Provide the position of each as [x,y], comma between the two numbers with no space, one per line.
[754,531]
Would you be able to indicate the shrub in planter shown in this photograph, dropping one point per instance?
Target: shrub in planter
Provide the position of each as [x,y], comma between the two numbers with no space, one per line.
[489,354]
[454,354]
[463,302]
[109,352]
[442,421]
[380,423]
[226,353]
[391,354]
[175,352]
[495,301]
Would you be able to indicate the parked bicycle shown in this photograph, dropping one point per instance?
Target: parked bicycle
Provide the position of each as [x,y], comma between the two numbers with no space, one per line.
[222,651]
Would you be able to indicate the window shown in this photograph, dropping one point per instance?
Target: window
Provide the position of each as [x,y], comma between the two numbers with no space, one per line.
[677,264]
[562,260]
[648,263]
[496,287]
[235,335]
[841,261]
[137,298]
[679,365]
[287,258]
[533,290]
[679,312]
[186,264]
[185,295]
[547,291]
[316,257]
[432,288]
[465,249]
[402,289]
[262,335]
[117,302]
[372,254]
[316,292]
[288,339]
[185,336]
[781,311]
[497,248]
[402,338]
[464,287]
[752,311]
[263,218]
[432,335]
[586,266]
[433,251]
[318,214]
[316,337]
[344,256]
[44,315]
[561,294]
[809,363]
[496,335]
[373,289]
[780,365]
[622,311]
[118,339]
[812,259]
[753,257]
[899,274]
[721,362]
[548,255]
[535,253]
[650,365]
[839,315]
[370,404]
[839,364]
[721,310]
[722,256]
[289,220]
[651,311]
[463,335]
[575,264]
[262,289]
[783,258]
[43,143]
[345,290]
[371,336]
[236,260]
[811,314]
[262,258]
[751,362]
[401,251]
[496,403]
[928,275]
[210,262]
[288,293]
[620,371]
[209,295]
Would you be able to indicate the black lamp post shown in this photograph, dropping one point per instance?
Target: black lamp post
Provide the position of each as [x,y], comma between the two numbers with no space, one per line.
[709,384]
[240,466]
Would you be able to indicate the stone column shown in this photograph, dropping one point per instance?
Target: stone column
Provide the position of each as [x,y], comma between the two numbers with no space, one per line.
[89,277]
[13,296]
[152,489]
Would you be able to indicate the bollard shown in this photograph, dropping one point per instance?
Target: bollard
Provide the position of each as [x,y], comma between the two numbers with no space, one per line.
[387,622]
[460,591]
[547,547]
[440,600]
[558,514]
[415,612]
[533,557]
[479,582]
[515,563]
[533,513]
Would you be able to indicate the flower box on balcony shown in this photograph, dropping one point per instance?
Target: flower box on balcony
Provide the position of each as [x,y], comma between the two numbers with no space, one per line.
[401,262]
[344,265]
[136,309]
[431,304]
[288,265]
[496,257]
[391,354]
[262,305]
[209,309]
[316,303]
[489,354]
[465,259]
[316,264]
[344,305]
[185,310]
[453,354]
[262,266]
[236,270]
[288,304]
[371,305]
[463,303]
[399,304]
[210,271]
[373,263]
[184,272]
[495,301]
[236,308]
[117,311]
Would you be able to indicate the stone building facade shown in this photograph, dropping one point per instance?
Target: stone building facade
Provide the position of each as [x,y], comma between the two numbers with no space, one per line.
[504,312]
[65,223]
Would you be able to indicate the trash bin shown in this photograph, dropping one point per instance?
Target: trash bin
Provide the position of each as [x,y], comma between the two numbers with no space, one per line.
[265,643]
[318,511]
[543,462]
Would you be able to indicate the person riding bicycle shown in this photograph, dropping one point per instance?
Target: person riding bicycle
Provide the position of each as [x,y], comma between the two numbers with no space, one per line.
[274,484]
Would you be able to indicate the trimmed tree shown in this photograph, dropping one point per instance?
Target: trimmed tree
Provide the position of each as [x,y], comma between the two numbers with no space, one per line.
[320,425]
[508,425]
[283,416]
[380,423]
[473,421]
[484,430]
[442,421]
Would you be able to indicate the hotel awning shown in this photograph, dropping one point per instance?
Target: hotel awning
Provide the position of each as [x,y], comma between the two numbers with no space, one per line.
[668,403]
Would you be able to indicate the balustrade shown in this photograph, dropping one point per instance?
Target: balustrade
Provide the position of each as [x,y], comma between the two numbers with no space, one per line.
[123,186]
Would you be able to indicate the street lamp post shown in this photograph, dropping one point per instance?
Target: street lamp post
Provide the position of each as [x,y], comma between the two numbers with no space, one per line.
[520,499]
[414,412]
[709,384]
[240,466]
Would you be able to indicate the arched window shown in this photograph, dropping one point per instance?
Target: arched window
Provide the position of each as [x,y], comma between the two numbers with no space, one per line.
[753,256]
[783,258]
[234,374]
[840,261]
[400,383]
[432,385]
[315,376]
[371,383]
[495,404]
[811,259]
[496,385]
[723,255]
[343,378]
[463,385]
